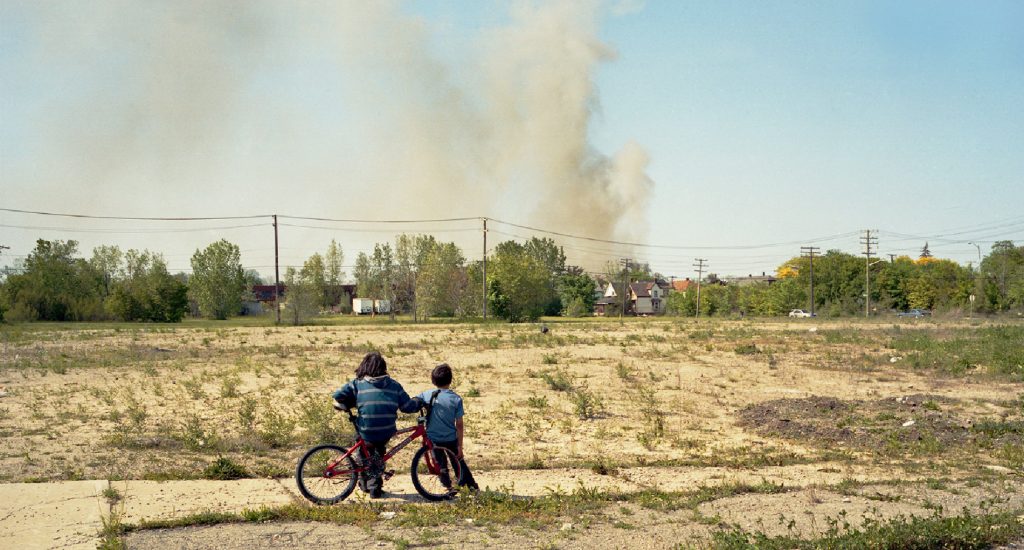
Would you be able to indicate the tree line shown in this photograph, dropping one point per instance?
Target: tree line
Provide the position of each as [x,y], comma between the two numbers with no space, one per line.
[426,278]
[903,283]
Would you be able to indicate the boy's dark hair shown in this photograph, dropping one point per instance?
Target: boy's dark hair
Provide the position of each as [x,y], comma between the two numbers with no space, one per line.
[373,365]
[441,375]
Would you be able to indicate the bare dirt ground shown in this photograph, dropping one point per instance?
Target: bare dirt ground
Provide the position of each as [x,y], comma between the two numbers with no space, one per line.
[825,410]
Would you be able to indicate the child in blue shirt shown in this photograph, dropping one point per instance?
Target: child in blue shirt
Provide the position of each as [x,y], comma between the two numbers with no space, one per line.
[378,398]
[444,425]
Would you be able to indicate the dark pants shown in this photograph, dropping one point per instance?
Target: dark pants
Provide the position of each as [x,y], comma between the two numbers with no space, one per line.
[374,484]
[442,460]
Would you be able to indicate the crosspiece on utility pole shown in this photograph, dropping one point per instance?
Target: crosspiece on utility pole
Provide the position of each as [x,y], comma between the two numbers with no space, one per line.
[809,252]
[700,272]
[868,240]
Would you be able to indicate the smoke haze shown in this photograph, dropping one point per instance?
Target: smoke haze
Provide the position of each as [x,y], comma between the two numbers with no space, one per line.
[336,109]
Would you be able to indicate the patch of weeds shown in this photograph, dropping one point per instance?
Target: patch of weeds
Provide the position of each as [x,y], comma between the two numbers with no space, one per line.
[276,429]
[535,463]
[247,414]
[966,531]
[537,402]
[585,403]
[603,467]
[224,469]
[229,386]
[194,387]
[194,435]
[473,391]
[318,418]
[646,400]
[550,359]
[623,372]
[747,349]
[557,380]
[1013,455]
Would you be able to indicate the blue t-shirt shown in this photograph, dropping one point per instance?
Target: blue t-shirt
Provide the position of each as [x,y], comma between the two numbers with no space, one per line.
[447,409]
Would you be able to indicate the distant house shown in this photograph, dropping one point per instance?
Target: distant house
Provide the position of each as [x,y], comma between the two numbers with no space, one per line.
[683,285]
[763,278]
[642,298]
[610,301]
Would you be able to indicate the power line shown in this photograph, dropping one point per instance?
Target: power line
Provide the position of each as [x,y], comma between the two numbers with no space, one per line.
[133,218]
[351,220]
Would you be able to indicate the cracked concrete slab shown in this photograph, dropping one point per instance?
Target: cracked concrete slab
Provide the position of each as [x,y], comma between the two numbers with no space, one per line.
[65,514]
[154,500]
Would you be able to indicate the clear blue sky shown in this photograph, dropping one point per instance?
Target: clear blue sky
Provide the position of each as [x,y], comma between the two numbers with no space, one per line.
[764,123]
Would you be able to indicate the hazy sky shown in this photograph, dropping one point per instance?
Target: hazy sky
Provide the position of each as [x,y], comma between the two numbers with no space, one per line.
[718,126]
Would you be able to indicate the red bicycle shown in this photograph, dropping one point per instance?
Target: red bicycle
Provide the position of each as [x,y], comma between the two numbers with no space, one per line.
[327,474]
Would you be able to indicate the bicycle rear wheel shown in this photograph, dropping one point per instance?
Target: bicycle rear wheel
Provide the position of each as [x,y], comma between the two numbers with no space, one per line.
[436,473]
[325,475]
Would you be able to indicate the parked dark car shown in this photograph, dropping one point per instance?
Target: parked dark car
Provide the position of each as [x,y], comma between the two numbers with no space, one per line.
[914,313]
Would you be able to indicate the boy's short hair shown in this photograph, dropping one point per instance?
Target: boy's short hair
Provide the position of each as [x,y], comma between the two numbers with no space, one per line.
[441,375]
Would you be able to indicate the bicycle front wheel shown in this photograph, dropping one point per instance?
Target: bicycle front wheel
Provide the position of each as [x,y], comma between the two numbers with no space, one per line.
[325,475]
[436,473]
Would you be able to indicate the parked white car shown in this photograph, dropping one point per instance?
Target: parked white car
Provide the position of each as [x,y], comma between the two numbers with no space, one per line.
[799,313]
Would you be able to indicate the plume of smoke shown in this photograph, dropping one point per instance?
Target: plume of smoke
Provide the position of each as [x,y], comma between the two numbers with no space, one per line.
[178,118]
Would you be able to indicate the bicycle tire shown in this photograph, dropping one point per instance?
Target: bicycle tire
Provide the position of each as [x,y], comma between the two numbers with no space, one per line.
[427,476]
[328,454]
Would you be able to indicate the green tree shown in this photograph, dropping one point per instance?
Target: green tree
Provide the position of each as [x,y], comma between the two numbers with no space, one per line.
[146,291]
[107,262]
[518,283]
[442,281]
[218,281]
[334,258]
[1002,273]
[576,291]
[303,298]
[54,286]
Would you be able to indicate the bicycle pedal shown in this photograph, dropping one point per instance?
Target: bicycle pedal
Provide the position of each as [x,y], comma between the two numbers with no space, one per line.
[388,474]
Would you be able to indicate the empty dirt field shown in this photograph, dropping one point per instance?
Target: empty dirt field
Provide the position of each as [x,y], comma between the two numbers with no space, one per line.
[653,433]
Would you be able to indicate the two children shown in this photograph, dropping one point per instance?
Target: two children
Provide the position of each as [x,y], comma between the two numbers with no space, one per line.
[378,398]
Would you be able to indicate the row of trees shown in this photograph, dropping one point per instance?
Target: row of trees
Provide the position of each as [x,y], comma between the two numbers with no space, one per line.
[427,278]
[903,283]
[54,284]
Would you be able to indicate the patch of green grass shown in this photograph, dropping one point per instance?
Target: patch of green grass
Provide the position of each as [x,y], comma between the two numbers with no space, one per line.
[997,349]
[747,349]
[966,531]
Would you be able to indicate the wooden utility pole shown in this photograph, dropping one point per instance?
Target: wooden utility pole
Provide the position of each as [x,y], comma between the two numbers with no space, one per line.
[868,241]
[277,276]
[625,285]
[809,251]
[700,272]
[484,283]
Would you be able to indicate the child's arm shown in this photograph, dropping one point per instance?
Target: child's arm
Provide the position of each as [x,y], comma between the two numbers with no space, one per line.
[459,429]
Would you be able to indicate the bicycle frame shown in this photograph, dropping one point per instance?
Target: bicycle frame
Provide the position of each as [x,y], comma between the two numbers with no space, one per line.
[419,430]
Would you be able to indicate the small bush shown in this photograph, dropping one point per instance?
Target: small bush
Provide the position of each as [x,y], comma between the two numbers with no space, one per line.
[585,403]
[558,380]
[550,359]
[277,428]
[537,402]
[224,469]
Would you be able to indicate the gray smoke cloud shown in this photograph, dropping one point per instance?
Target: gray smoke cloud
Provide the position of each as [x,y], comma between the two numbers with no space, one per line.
[178,108]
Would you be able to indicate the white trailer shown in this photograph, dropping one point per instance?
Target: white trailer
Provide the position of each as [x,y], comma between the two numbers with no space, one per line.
[362,306]
[382,306]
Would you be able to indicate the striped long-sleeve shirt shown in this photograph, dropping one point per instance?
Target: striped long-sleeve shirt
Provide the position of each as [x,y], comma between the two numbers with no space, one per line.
[378,400]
